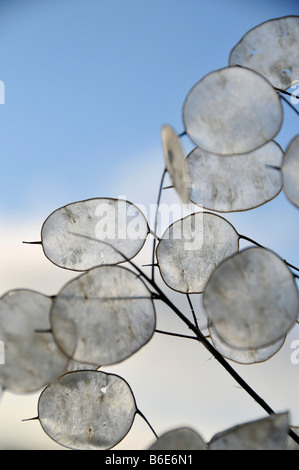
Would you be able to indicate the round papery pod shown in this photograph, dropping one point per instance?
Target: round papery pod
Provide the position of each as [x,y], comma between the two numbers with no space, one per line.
[175,162]
[103,316]
[271,49]
[236,182]
[179,439]
[290,171]
[244,356]
[252,299]
[270,433]
[93,232]
[32,358]
[232,110]
[192,247]
[87,410]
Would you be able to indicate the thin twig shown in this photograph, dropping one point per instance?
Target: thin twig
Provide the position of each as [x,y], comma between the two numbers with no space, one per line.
[148,423]
[178,335]
[291,265]
[290,104]
[243,237]
[273,167]
[31,419]
[43,331]
[283,91]
[156,221]
[182,134]
[192,311]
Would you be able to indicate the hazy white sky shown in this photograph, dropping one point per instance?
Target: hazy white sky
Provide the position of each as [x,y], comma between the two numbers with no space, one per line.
[88,85]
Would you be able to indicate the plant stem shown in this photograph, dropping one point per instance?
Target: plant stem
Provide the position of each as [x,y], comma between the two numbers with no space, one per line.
[192,311]
[177,335]
[205,342]
[202,339]
[182,134]
[283,91]
[156,221]
[290,104]
[226,365]
[147,422]
[243,237]
[31,419]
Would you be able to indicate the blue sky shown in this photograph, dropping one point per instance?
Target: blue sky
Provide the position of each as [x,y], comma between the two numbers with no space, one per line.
[88,85]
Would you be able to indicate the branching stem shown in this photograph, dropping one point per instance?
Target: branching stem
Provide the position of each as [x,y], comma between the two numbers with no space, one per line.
[177,335]
[202,339]
[205,342]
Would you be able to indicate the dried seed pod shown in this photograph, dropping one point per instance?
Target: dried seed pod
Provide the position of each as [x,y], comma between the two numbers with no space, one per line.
[103,316]
[245,356]
[192,247]
[236,182]
[71,236]
[290,171]
[233,110]
[271,49]
[270,433]
[87,410]
[32,358]
[252,299]
[175,162]
[179,439]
